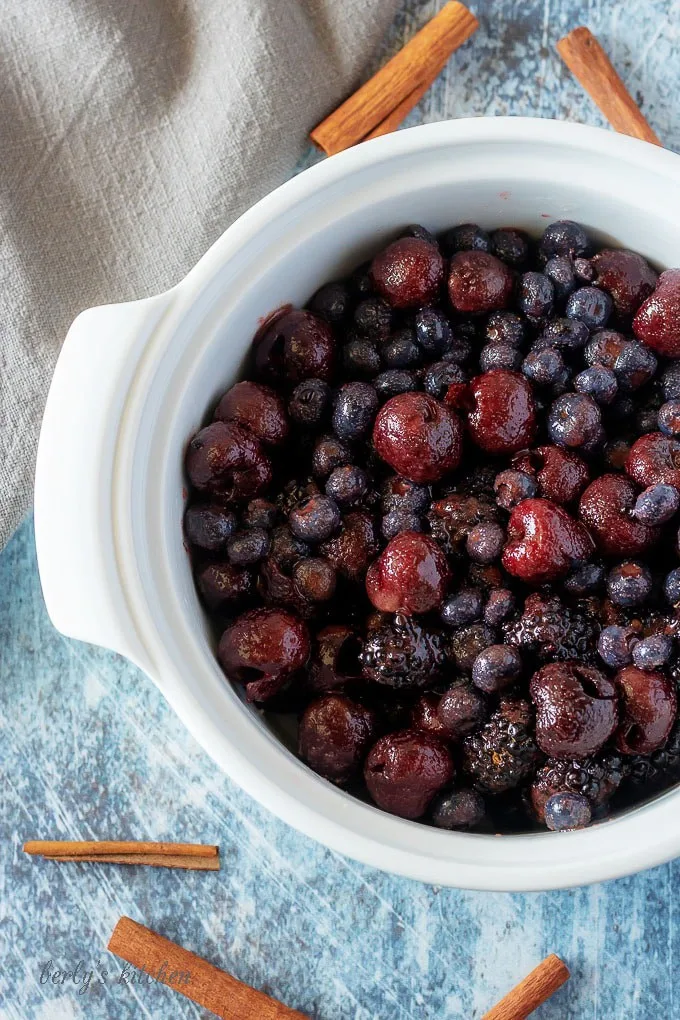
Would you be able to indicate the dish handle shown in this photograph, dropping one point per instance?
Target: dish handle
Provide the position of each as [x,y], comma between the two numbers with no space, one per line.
[74,526]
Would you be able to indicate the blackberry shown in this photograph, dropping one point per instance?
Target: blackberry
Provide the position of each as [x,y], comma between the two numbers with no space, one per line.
[597,779]
[660,769]
[503,753]
[294,492]
[453,518]
[403,653]
[553,631]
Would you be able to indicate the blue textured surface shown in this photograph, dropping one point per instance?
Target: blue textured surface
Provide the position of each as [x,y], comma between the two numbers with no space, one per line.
[89,749]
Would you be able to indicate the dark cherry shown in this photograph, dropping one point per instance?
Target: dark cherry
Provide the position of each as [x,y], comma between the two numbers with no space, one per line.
[418,436]
[408,273]
[334,736]
[657,322]
[461,710]
[544,542]
[335,658]
[654,458]
[424,715]
[503,415]
[648,709]
[606,507]
[353,548]
[208,527]
[576,709]
[479,282]
[257,408]
[295,346]
[228,461]
[627,276]
[561,474]
[410,576]
[222,585]
[263,644]
[405,770]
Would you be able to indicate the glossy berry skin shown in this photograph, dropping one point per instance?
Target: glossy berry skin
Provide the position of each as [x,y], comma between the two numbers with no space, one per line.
[544,542]
[259,513]
[564,237]
[329,452]
[228,461]
[669,418]
[399,493]
[418,436]
[670,381]
[347,485]
[464,607]
[536,296]
[657,504]
[653,651]
[224,586]
[561,474]
[500,605]
[465,237]
[410,576]
[606,507]
[440,375]
[294,346]
[408,273]
[258,408]
[462,710]
[496,667]
[248,546]
[401,350]
[484,542]
[360,359]
[505,328]
[405,770]
[433,331]
[354,409]
[511,487]
[424,715]
[567,811]
[598,382]
[657,321]
[626,276]
[208,527]
[334,736]
[353,548]
[590,306]
[373,319]
[510,245]
[503,415]
[315,579]
[315,520]
[576,709]
[560,271]
[335,658]
[585,580]
[270,642]
[393,382]
[629,584]
[574,420]
[671,587]
[397,521]
[460,809]
[563,335]
[544,367]
[309,402]
[648,710]
[331,302]
[499,356]
[479,282]
[654,459]
[615,646]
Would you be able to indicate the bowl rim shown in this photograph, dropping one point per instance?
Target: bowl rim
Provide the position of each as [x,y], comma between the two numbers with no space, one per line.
[252,756]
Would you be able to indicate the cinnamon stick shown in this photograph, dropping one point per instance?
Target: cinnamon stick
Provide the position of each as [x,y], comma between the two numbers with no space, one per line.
[401,112]
[418,62]
[192,976]
[591,66]
[536,988]
[190,856]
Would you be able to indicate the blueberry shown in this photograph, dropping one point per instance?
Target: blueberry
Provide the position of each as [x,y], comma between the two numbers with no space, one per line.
[544,367]
[259,513]
[564,237]
[599,382]
[459,809]
[329,452]
[402,494]
[671,587]
[629,583]
[397,521]
[420,232]
[615,646]
[347,484]
[670,381]
[309,401]
[590,306]
[585,270]
[433,330]
[246,547]
[657,504]
[209,527]
[563,334]
[401,350]
[536,295]
[560,271]
[564,811]
[496,667]
[652,652]
[459,351]
[499,356]
[360,280]
[574,420]
[585,579]
[315,519]
[505,328]
[499,605]
[634,366]
[463,608]
[485,542]
[440,375]
[510,245]
[354,409]
[331,302]
[668,418]
[360,359]
[373,318]
[511,487]
[465,237]
[393,381]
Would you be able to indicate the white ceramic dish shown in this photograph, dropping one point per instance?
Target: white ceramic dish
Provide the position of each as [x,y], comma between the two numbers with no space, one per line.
[134,380]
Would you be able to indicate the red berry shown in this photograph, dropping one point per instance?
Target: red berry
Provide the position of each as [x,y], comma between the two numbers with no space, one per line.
[335,658]
[410,575]
[424,715]
[561,474]
[263,644]
[353,548]
[649,707]
[503,415]
[479,282]
[606,507]
[405,770]
[657,322]
[576,709]
[258,409]
[408,273]
[544,542]
[418,436]
[626,276]
[334,736]
[296,345]
[222,585]
[654,458]
[225,459]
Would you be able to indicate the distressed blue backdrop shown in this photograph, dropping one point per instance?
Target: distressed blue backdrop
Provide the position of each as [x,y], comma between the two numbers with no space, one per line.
[89,748]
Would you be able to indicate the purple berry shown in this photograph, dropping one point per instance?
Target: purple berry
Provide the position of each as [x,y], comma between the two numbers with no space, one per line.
[615,646]
[511,487]
[460,809]
[574,420]
[668,418]
[485,542]
[591,306]
[564,237]
[536,296]
[653,651]
[599,382]
[463,608]
[347,485]
[564,811]
[499,356]
[657,504]
[354,409]
[496,667]
[629,583]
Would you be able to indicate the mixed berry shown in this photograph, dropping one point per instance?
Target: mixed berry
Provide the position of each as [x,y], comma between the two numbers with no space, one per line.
[438,524]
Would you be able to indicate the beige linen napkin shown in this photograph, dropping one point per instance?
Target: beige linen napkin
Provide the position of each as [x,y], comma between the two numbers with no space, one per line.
[132,132]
